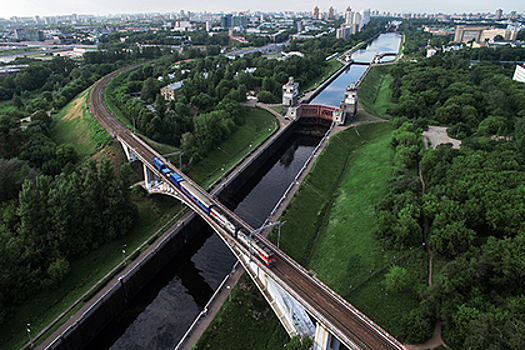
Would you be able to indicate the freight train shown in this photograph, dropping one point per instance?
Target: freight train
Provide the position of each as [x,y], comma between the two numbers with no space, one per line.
[257,246]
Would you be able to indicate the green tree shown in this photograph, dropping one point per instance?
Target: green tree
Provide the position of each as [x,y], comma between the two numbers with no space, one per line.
[396,279]
[149,90]
[299,343]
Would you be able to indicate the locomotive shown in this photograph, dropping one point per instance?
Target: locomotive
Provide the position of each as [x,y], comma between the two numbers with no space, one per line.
[254,244]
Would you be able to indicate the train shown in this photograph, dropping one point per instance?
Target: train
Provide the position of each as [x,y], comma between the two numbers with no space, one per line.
[257,246]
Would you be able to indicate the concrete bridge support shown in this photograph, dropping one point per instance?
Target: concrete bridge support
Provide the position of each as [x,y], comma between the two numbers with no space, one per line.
[324,340]
[292,315]
[150,178]
[129,152]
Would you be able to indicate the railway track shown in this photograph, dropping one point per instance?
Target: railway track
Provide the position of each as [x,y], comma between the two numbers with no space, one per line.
[349,324]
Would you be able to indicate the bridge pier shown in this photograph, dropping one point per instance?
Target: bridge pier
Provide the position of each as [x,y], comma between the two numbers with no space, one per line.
[150,178]
[324,340]
[129,152]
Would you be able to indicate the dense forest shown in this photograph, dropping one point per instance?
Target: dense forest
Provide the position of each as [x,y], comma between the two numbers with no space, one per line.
[468,207]
[53,210]
[448,89]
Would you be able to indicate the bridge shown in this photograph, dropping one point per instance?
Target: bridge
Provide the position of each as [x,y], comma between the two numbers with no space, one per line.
[303,304]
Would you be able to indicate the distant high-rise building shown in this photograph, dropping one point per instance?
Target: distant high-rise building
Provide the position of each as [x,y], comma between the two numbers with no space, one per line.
[499,13]
[238,21]
[348,15]
[226,21]
[316,12]
[182,14]
[365,16]
[331,13]
[20,34]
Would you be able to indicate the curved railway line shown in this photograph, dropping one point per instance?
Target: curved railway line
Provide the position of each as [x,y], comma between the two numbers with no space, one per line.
[346,322]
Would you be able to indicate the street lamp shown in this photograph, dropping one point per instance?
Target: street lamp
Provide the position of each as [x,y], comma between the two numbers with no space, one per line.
[124,254]
[29,334]
[279,232]
[229,293]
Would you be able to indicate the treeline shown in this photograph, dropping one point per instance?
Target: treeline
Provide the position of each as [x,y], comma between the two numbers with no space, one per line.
[471,214]
[207,107]
[52,212]
[53,221]
[447,89]
[506,53]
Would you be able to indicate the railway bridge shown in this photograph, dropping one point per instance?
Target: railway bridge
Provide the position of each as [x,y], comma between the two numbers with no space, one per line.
[303,304]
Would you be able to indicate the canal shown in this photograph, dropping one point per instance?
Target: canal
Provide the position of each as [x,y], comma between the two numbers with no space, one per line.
[160,315]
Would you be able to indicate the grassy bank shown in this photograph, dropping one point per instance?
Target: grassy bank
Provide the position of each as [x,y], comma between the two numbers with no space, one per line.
[374,91]
[330,224]
[75,126]
[332,66]
[248,310]
[258,126]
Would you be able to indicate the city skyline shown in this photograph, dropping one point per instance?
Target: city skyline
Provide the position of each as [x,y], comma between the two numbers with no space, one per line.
[25,8]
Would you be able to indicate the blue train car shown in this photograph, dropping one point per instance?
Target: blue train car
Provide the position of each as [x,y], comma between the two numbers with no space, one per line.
[176,179]
[158,163]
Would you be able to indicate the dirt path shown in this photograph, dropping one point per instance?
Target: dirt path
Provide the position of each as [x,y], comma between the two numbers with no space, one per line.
[436,339]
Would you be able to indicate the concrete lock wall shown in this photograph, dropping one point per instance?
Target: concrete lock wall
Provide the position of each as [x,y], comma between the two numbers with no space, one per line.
[78,336]
[247,172]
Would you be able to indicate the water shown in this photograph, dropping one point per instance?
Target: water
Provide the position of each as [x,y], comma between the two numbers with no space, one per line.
[385,43]
[160,315]
[334,93]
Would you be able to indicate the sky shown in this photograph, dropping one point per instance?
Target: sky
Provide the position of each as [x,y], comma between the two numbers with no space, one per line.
[41,8]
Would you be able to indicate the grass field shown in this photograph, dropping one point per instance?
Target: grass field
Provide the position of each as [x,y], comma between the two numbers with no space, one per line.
[75,126]
[330,223]
[374,91]
[261,330]
[258,126]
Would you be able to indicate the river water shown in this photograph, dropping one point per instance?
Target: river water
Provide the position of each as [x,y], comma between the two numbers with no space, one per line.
[334,93]
[160,315]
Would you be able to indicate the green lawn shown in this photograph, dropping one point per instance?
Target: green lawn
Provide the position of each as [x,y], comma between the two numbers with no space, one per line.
[75,126]
[258,126]
[374,91]
[330,223]
[260,328]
